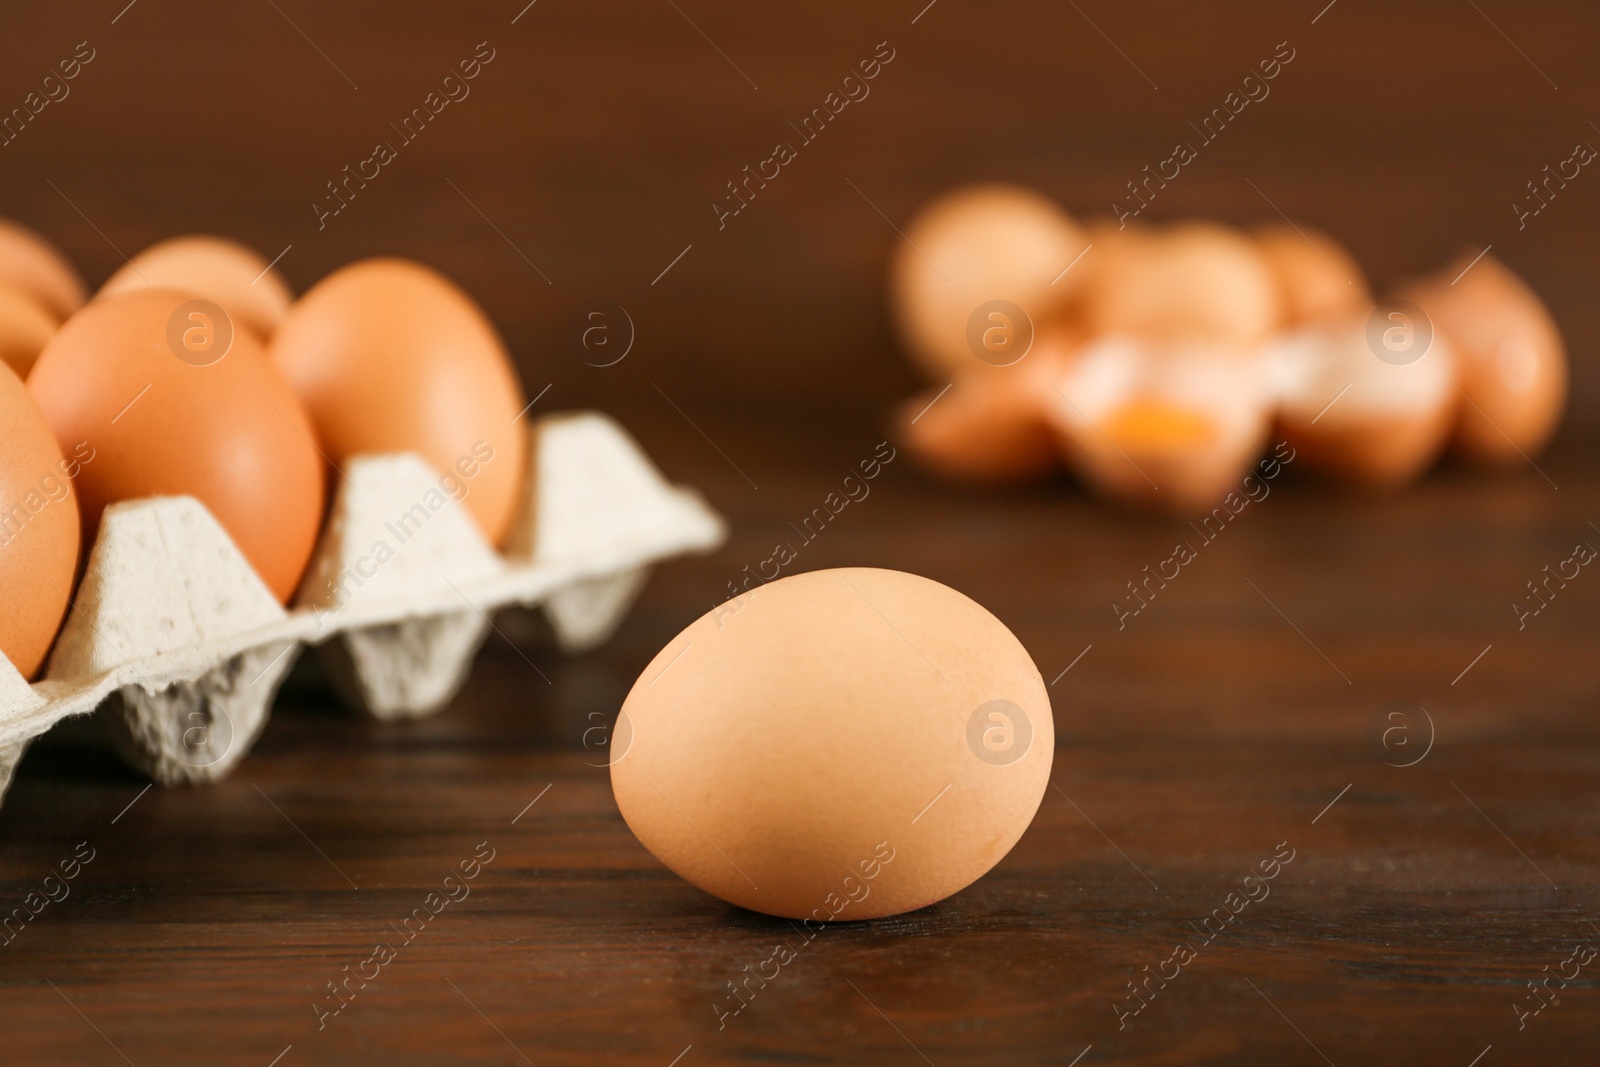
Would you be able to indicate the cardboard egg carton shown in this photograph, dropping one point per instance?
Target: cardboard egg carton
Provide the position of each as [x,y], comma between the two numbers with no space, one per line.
[180,646]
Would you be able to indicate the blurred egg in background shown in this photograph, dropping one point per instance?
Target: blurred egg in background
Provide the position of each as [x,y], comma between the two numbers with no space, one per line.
[1179,347]
[972,247]
[225,272]
[32,264]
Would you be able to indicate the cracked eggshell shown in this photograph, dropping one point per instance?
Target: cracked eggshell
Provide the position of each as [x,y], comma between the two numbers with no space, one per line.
[229,433]
[1317,277]
[35,266]
[38,529]
[390,356]
[991,426]
[1512,363]
[231,275]
[786,743]
[970,246]
[1357,418]
[1168,427]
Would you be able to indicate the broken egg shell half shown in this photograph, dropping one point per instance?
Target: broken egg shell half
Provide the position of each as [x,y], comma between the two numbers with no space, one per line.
[1511,362]
[1354,417]
[1163,427]
[991,426]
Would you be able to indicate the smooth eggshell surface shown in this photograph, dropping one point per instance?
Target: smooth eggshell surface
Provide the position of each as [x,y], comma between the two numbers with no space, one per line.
[38,529]
[390,356]
[225,272]
[230,433]
[25,327]
[33,265]
[780,747]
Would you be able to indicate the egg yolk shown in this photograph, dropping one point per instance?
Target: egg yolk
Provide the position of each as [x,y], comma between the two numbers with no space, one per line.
[1158,426]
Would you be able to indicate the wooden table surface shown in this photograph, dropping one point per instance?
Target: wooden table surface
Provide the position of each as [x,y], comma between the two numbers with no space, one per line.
[1210,734]
[1336,675]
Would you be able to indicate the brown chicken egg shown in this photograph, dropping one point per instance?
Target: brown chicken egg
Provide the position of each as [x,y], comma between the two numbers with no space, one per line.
[990,426]
[1165,426]
[172,405]
[38,528]
[225,272]
[1196,281]
[1370,419]
[32,264]
[25,326]
[836,745]
[1317,277]
[390,356]
[981,259]
[1511,361]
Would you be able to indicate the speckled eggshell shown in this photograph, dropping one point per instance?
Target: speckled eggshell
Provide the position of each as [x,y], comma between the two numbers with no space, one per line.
[38,529]
[812,749]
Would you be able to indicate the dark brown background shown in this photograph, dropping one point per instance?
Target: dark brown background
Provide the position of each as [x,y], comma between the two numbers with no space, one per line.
[1197,739]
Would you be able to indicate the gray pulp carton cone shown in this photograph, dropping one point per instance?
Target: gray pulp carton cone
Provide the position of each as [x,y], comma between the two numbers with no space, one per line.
[180,646]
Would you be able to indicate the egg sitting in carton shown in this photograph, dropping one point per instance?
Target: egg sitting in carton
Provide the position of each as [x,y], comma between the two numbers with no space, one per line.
[1157,363]
[186,425]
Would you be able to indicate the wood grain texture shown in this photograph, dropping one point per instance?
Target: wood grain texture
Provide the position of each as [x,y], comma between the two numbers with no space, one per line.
[1224,719]
[1192,743]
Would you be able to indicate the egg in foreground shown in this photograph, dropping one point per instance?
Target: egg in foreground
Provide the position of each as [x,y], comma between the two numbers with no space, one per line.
[836,745]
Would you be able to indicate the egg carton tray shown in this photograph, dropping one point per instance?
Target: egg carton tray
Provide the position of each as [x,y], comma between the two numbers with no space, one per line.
[180,646]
